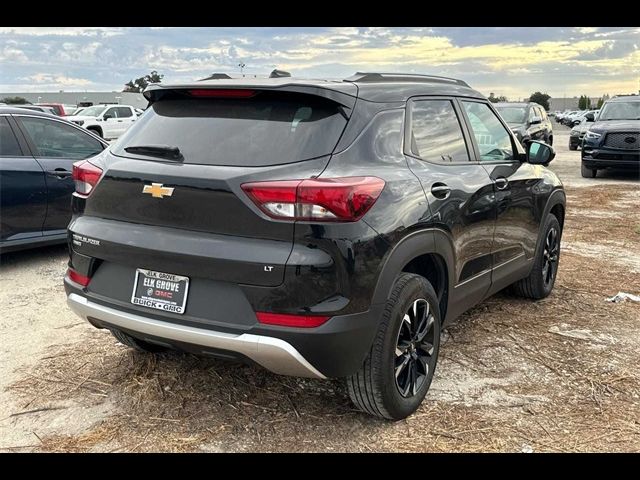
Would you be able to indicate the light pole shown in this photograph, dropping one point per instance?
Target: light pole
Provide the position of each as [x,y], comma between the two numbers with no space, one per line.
[118,99]
[242,65]
[39,99]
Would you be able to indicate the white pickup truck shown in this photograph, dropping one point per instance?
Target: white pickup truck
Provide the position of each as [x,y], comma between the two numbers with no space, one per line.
[107,121]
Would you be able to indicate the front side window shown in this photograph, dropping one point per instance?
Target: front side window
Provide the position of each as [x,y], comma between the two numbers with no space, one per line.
[436,134]
[112,113]
[493,139]
[57,140]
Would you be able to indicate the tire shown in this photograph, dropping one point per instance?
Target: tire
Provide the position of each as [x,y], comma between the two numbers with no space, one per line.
[540,281]
[375,388]
[97,131]
[139,345]
[588,172]
[573,147]
[550,140]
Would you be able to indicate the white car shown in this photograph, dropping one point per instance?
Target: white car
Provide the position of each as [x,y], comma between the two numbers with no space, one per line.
[107,121]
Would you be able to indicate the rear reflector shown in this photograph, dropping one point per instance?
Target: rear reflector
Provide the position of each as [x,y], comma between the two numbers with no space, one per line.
[305,321]
[222,93]
[77,278]
[344,199]
[85,176]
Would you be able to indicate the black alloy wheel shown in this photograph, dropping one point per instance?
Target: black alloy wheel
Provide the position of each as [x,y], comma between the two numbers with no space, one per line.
[550,257]
[414,348]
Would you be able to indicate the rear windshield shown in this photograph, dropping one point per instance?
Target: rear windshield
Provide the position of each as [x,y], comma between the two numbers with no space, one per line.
[267,129]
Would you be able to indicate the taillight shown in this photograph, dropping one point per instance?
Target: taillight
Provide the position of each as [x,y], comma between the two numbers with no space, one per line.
[344,199]
[78,278]
[86,176]
[222,93]
[286,320]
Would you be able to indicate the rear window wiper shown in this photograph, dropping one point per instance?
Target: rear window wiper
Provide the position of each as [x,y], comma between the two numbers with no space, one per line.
[160,151]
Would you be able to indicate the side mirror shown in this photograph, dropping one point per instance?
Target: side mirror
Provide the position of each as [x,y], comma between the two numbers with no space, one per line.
[590,117]
[107,116]
[539,153]
[536,120]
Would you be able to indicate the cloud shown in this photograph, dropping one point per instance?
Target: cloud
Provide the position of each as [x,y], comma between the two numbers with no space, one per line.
[513,61]
[57,79]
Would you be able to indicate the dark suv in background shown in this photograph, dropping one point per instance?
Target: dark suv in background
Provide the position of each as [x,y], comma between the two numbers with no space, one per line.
[528,121]
[318,228]
[613,140]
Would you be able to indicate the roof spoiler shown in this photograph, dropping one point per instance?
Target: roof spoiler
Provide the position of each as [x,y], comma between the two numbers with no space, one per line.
[156,91]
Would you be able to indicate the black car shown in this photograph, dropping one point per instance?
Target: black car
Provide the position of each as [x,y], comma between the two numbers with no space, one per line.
[613,140]
[37,152]
[317,228]
[528,121]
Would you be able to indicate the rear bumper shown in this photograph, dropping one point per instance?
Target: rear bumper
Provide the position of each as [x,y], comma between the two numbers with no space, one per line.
[333,350]
[272,353]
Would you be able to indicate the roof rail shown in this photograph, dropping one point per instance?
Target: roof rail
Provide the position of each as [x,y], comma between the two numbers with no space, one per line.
[373,77]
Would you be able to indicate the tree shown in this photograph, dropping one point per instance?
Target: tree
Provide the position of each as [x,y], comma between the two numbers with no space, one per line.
[14,100]
[540,99]
[600,102]
[584,103]
[494,99]
[139,84]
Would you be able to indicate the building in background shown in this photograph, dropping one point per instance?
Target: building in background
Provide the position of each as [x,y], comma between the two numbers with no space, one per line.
[76,98]
[561,104]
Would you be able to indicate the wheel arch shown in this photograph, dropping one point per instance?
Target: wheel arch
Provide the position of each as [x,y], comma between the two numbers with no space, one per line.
[428,253]
[97,129]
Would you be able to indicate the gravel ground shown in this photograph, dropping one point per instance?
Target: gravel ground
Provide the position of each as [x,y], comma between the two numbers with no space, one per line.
[514,375]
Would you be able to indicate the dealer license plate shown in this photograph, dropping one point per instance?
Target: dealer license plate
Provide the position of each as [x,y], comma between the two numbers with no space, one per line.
[162,291]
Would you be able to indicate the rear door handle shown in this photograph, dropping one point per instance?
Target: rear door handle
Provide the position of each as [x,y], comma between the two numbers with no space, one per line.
[59,172]
[440,190]
[501,183]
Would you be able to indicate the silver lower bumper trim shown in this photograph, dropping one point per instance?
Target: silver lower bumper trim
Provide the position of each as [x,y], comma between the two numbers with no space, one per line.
[273,354]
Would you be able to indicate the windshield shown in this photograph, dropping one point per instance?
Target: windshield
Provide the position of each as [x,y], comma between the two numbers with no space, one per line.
[93,111]
[620,111]
[268,129]
[512,114]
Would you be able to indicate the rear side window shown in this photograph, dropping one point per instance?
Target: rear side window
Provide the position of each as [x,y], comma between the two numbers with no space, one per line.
[436,134]
[8,143]
[267,129]
[58,140]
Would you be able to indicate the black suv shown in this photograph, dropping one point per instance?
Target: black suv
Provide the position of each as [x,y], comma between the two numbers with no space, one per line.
[318,228]
[613,140]
[529,121]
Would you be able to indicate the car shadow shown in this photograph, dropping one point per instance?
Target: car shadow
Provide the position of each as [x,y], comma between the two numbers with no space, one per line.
[32,256]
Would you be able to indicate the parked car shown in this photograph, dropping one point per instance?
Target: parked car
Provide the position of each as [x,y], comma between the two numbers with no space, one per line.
[529,121]
[613,139]
[106,121]
[37,151]
[577,133]
[38,108]
[317,228]
[58,107]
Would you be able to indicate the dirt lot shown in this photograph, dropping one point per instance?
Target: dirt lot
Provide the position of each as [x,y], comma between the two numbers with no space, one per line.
[514,375]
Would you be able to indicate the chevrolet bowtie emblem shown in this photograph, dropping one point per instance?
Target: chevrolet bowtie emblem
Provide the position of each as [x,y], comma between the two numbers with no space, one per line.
[157,190]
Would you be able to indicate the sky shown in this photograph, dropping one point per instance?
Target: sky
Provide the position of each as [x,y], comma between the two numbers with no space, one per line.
[513,62]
